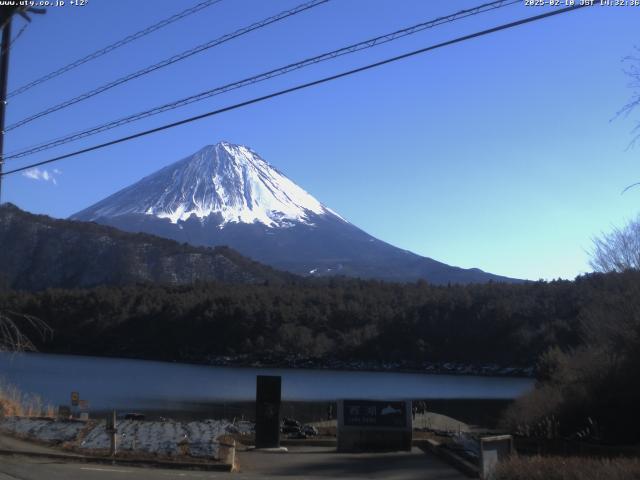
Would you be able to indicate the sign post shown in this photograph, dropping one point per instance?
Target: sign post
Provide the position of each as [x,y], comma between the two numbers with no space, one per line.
[112,431]
[268,395]
[75,400]
[371,425]
[84,409]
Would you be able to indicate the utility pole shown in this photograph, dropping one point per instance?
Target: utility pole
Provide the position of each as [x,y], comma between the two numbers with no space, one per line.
[6,14]
[4,71]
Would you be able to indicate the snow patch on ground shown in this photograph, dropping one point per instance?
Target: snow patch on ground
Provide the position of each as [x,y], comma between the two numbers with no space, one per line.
[198,439]
[43,429]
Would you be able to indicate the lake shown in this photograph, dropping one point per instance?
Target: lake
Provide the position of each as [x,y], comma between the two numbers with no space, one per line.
[125,384]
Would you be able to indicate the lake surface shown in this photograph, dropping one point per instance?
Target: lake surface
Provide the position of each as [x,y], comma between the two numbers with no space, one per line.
[147,385]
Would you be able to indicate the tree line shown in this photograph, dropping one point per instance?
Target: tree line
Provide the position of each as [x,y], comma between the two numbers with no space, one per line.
[506,324]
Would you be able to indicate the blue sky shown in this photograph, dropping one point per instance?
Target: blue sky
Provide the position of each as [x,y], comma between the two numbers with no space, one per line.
[498,153]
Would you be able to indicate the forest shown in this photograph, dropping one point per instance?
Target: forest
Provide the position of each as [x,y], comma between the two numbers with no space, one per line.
[506,324]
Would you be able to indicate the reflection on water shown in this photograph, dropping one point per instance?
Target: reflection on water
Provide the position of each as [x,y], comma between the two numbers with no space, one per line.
[145,385]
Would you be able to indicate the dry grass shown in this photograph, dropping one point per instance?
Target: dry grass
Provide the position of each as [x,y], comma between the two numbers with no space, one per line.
[568,468]
[14,402]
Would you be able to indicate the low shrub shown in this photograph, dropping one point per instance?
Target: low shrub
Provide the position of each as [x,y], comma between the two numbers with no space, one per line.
[567,468]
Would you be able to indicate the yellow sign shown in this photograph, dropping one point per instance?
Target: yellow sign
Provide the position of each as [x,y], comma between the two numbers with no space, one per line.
[75,399]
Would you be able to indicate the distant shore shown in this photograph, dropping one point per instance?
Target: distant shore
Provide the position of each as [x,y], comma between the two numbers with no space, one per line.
[297,361]
[313,363]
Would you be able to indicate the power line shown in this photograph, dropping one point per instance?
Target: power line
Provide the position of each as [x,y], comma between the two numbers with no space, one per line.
[303,86]
[15,38]
[20,32]
[370,43]
[109,48]
[169,61]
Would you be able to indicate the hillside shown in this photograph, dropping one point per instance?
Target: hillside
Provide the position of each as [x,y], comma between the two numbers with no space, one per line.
[40,252]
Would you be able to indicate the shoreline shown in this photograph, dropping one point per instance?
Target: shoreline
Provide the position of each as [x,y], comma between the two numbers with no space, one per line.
[427,368]
[295,362]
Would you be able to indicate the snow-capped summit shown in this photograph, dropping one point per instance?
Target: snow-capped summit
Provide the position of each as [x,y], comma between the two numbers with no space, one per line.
[226,194]
[229,181]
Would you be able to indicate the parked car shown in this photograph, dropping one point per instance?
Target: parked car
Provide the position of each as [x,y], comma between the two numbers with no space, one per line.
[134,416]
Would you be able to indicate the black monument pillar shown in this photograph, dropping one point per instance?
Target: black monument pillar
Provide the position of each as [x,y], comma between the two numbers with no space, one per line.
[268,390]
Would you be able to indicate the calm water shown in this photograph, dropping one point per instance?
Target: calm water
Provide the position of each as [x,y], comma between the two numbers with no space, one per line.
[139,384]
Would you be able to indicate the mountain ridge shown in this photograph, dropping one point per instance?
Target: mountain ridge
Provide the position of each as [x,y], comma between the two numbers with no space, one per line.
[42,252]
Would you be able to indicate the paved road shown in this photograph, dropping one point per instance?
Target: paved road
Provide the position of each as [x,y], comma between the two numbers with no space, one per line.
[24,468]
[313,463]
[322,463]
[10,443]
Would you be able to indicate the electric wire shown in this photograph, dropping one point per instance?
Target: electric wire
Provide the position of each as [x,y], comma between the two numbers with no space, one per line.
[20,32]
[370,43]
[15,38]
[169,61]
[109,48]
[301,86]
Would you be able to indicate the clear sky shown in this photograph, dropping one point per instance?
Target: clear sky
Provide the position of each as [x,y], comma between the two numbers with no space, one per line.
[498,153]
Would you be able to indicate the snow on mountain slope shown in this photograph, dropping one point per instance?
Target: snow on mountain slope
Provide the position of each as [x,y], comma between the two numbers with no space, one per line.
[226,179]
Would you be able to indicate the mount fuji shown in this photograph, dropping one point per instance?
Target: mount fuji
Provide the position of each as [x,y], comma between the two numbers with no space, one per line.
[226,194]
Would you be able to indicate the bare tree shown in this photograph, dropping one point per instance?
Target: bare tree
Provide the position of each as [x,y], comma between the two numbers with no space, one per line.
[12,328]
[632,70]
[618,250]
